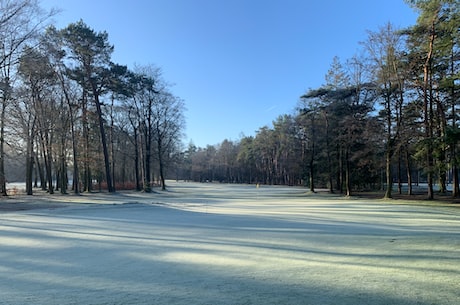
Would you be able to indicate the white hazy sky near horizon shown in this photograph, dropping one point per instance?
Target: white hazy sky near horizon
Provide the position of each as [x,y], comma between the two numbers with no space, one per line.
[237,64]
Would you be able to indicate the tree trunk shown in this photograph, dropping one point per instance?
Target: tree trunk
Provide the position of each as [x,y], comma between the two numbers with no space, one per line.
[339,169]
[428,111]
[136,159]
[30,163]
[2,148]
[47,158]
[76,178]
[311,178]
[37,174]
[455,182]
[389,179]
[347,173]
[147,162]
[328,152]
[63,167]
[389,149]
[112,140]
[161,169]
[312,169]
[409,173]
[453,150]
[41,173]
[105,151]
[399,172]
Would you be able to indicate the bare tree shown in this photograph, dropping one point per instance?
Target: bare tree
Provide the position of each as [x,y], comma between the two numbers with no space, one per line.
[385,51]
[20,22]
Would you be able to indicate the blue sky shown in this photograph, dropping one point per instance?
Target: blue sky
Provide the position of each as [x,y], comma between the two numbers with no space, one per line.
[237,64]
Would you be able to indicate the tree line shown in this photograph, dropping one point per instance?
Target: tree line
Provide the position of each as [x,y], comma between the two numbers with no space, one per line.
[76,119]
[386,117]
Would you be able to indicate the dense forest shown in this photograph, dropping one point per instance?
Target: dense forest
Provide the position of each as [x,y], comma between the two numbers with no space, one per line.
[71,119]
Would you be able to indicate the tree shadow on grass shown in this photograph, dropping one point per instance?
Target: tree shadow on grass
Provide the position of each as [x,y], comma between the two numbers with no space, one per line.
[147,254]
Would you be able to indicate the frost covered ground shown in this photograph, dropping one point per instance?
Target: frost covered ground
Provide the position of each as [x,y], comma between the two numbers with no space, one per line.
[228,244]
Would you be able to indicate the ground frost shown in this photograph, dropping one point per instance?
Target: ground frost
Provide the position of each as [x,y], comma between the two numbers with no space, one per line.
[228,244]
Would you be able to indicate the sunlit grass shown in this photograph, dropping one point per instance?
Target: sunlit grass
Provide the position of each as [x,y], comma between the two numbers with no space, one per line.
[226,244]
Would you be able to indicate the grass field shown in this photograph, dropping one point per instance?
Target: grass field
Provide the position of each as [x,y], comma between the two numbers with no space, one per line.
[228,244]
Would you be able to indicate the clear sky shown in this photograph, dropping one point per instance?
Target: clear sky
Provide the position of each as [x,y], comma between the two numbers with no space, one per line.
[237,64]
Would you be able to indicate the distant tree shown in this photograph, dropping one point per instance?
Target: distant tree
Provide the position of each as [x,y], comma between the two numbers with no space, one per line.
[225,159]
[318,99]
[265,147]
[289,160]
[144,99]
[336,76]
[169,124]
[309,121]
[246,159]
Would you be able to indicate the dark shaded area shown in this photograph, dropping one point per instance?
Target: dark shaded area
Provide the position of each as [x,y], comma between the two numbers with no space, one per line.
[6,206]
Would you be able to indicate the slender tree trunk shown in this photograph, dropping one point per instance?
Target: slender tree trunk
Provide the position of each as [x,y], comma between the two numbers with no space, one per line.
[455,182]
[41,172]
[76,175]
[328,152]
[388,175]
[63,167]
[142,161]
[311,178]
[347,173]
[161,169]
[136,160]
[112,141]
[29,165]
[47,158]
[441,134]
[2,148]
[453,150]
[76,178]
[36,170]
[312,155]
[339,169]
[87,173]
[399,173]
[312,169]
[30,157]
[409,173]
[105,151]
[428,111]
[147,161]
[442,175]
[389,149]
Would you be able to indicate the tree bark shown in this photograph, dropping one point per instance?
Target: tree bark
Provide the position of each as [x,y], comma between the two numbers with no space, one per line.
[328,152]
[105,151]
[409,173]
[428,111]
[347,173]
[2,148]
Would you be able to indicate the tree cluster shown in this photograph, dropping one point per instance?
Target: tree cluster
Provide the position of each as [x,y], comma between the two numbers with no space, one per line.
[77,119]
[388,115]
